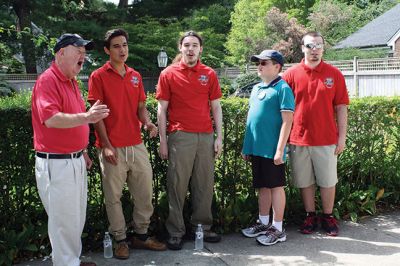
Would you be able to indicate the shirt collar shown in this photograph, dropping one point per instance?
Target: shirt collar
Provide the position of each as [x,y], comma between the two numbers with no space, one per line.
[317,68]
[195,68]
[271,84]
[109,67]
[56,70]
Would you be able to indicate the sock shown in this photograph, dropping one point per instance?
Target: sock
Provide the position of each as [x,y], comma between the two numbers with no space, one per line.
[264,219]
[327,215]
[277,225]
[312,214]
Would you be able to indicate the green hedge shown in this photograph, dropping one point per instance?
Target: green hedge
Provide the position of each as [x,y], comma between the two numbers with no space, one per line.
[369,171]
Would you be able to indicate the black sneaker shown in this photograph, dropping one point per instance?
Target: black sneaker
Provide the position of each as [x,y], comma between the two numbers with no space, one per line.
[211,237]
[256,229]
[309,225]
[175,243]
[271,237]
[330,225]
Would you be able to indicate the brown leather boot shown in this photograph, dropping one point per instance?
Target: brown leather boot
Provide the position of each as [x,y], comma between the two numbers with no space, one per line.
[150,243]
[121,251]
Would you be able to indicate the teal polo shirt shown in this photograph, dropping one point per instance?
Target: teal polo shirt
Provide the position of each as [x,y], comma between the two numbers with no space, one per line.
[264,119]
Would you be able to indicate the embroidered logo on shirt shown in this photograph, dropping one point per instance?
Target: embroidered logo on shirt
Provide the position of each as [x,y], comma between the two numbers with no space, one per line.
[203,80]
[329,83]
[135,81]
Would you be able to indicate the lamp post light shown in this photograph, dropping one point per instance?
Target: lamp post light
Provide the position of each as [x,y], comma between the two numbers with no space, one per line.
[162,58]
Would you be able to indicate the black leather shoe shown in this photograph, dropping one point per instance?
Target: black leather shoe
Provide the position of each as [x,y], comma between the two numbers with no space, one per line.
[175,243]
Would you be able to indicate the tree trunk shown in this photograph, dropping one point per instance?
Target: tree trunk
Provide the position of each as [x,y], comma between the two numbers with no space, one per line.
[123,4]
[22,9]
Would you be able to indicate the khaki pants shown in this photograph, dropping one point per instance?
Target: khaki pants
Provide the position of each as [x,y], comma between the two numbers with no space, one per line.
[191,158]
[313,164]
[62,187]
[134,169]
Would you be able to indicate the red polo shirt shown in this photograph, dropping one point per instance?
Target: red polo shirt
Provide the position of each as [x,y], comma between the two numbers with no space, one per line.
[54,93]
[122,96]
[189,91]
[317,91]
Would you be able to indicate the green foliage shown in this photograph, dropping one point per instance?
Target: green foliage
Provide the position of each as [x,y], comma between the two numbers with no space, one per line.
[369,173]
[337,19]
[349,53]
[248,29]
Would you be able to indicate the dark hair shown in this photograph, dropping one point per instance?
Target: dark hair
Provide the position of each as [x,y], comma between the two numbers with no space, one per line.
[274,62]
[112,34]
[190,33]
[312,34]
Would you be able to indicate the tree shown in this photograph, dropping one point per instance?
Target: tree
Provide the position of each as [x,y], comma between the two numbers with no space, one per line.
[287,33]
[23,10]
[248,29]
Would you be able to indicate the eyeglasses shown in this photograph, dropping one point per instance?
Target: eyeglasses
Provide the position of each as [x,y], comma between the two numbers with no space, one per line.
[314,45]
[263,63]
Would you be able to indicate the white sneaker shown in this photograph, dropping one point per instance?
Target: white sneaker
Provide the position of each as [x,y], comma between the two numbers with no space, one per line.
[271,237]
[256,229]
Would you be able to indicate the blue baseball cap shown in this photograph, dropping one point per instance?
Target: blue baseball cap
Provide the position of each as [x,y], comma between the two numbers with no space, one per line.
[72,39]
[269,54]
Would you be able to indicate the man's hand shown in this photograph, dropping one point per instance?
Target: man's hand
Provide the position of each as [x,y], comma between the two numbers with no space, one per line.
[88,161]
[97,112]
[278,157]
[163,150]
[246,157]
[152,129]
[340,146]
[110,154]
[217,147]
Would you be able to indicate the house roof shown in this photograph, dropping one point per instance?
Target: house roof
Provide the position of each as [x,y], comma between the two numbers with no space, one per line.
[377,32]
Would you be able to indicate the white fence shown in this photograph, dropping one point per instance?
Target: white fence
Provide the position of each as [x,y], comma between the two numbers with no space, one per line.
[364,77]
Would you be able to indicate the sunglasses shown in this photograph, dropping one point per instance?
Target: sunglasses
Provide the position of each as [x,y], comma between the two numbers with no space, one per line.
[314,45]
[263,63]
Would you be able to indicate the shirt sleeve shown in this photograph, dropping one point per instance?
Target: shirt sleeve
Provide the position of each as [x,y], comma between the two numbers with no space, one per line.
[215,89]
[95,91]
[288,77]
[142,94]
[47,98]
[341,94]
[286,98]
[163,91]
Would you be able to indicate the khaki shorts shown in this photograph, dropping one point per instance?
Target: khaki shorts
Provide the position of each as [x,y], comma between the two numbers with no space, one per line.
[313,164]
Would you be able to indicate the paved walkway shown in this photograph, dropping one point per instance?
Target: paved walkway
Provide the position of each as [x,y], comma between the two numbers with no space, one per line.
[373,241]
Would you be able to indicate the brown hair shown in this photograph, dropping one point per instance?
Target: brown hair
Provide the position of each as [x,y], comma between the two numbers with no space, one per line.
[190,33]
[312,34]
[112,34]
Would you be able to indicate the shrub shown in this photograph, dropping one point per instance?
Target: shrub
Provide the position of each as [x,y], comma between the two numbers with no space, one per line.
[369,172]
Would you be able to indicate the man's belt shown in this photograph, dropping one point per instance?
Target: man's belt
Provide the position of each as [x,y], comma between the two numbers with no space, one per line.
[58,155]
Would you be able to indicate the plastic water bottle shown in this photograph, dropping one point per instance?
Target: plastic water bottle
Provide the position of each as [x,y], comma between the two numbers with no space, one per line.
[198,242]
[108,252]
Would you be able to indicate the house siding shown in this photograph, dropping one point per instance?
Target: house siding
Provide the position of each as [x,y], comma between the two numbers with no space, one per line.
[397,48]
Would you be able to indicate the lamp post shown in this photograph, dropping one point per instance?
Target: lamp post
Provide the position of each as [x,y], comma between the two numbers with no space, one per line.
[162,58]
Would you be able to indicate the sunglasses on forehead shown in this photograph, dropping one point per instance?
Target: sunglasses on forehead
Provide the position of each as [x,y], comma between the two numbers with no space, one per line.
[314,45]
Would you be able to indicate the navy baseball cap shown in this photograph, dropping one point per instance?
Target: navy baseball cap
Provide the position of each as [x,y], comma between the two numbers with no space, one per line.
[72,39]
[269,54]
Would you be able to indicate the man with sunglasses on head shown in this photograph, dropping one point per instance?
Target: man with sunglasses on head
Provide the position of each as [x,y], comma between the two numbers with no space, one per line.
[61,134]
[186,91]
[319,129]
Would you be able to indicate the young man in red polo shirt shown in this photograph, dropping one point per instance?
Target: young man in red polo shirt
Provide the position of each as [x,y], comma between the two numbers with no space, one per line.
[123,156]
[319,130]
[186,91]
[61,135]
